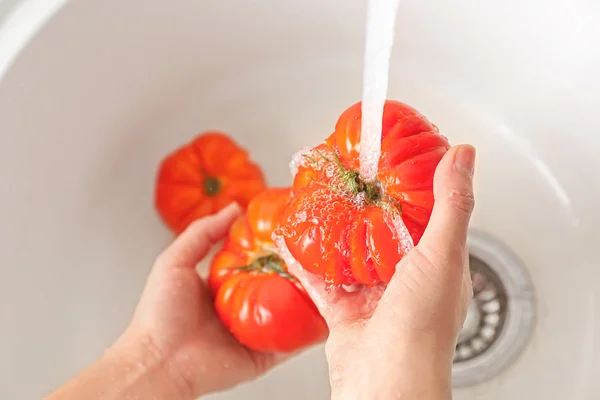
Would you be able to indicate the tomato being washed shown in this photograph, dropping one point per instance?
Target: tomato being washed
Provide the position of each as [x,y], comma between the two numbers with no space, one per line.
[203,177]
[260,303]
[344,229]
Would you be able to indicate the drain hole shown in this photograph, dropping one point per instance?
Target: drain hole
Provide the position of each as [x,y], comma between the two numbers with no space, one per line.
[501,316]
[487,314]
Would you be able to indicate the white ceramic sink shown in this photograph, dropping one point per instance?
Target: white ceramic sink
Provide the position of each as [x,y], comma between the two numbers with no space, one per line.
[93,94]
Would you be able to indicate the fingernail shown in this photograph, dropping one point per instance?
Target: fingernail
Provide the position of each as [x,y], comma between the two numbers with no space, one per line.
[465,158]
[232,207]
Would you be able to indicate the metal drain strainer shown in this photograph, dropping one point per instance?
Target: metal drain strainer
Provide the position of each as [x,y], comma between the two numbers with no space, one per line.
[501,317]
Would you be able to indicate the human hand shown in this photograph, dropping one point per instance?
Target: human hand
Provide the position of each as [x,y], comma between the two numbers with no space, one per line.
[398,342]
[175,324]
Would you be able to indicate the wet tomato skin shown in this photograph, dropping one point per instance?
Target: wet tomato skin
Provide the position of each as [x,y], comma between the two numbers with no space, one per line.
[341,228]
[259,302]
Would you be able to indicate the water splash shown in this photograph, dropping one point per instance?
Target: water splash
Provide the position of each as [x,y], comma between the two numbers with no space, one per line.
[381,22]
[299,160]
[405,241]
[314,287]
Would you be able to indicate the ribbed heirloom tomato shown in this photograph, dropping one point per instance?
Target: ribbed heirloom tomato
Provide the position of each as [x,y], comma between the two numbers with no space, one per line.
[342,228]
[203,177]
[260,303]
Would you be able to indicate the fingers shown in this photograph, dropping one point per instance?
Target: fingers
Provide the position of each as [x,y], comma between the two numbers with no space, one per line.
[195,242]
[338,305]
[446,232]
[314,286]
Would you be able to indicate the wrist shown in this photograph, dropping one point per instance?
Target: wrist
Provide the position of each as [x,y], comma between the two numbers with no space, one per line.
[129,369]
[418,370]
[146,369]
[395,384]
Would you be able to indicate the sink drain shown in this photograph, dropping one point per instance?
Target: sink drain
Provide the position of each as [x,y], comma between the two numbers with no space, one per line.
[487,314]
[501,317]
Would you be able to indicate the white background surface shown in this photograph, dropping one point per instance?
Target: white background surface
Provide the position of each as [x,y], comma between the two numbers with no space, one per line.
[105,88]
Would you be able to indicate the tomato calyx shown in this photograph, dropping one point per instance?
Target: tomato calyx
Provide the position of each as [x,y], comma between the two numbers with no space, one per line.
[372,190]
[212,186]
[268,264]
[353,186]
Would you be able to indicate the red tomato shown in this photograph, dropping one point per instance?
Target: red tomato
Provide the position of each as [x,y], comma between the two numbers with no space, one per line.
[341,228]
[203,177]
[260,303]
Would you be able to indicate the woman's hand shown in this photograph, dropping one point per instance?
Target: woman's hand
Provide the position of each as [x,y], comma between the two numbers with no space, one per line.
[398,342]
[176,319]
[175,346]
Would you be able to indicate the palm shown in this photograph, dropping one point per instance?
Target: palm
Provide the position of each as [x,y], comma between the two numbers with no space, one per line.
[177,316]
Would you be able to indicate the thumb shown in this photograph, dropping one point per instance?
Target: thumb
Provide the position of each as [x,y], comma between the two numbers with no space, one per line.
[189,248]
[445,237]
[431,282]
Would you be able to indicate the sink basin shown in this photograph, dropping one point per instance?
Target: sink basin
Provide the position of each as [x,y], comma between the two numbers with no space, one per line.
[94,93]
